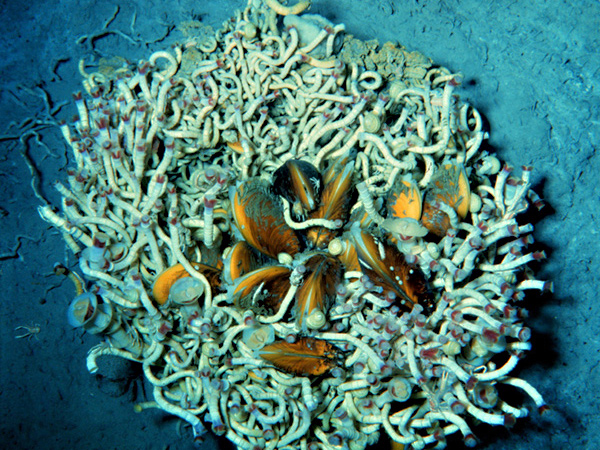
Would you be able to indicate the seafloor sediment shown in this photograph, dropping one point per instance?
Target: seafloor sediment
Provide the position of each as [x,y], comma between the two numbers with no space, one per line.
[441,133]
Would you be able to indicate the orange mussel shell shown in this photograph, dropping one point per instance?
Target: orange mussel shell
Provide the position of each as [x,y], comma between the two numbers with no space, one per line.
[404,201]
[238,146]
[317,292]
[274,283]
[239,261]
[335,204]
[387,268]
[259,217]
[306,356]
[164,281]
[348,257]
[434,219]
[449,185]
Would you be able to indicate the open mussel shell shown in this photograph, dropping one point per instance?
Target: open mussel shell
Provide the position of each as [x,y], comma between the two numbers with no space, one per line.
[386,268]
[259,218]
[300,183]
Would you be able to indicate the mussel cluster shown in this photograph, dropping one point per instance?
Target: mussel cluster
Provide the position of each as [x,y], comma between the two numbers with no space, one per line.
[303,234]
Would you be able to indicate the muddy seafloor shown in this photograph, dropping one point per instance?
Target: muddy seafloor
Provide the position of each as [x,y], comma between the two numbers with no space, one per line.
[531,68]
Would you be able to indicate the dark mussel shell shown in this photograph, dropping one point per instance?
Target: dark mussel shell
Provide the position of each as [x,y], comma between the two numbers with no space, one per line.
[300,183]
